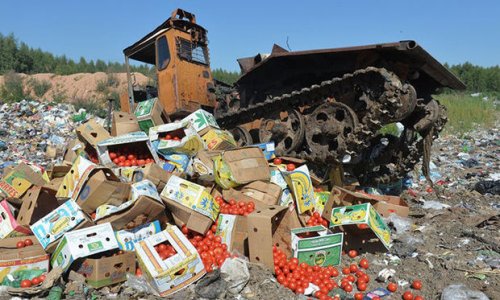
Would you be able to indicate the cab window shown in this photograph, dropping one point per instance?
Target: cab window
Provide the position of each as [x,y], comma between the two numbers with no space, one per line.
[163,54]
[192,52]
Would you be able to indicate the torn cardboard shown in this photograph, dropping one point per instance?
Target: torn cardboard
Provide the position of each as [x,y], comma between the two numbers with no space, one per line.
[107,270]
[264,192]
[240,166]
[186,142]
[184,215]
[9,227]
[233,230]
[269,227]
[217,139]
[37,203]
[19,180]
[202,121]
[128,237]
[92,133]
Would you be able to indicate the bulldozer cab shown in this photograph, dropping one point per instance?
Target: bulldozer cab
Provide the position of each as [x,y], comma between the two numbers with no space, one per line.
[178,49]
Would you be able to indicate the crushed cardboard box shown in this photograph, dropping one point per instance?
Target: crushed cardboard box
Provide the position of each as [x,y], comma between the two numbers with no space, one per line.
[150,113]
[172,274]
[264,192]
[9,227]
[126,238]
[15,183]
[37,203]
[202,121]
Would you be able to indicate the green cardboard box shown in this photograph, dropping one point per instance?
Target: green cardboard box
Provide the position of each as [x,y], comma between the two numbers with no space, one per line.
[150,113]
[362,225]
[317,246]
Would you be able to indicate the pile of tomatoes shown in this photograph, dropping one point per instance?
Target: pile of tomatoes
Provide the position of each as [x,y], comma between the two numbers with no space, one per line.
[212,251]
[297,276]
[26,283]
[170,137]
[25,243]
[165,250]
[316,219]
[130,160]
[241,208]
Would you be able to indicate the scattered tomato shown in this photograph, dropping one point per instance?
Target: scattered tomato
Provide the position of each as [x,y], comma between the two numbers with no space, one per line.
[407,295]
[362,286]
[42,278]
[418,298]
[277,161]
[290,167]
[20,244]
[392,287]
[35,281]
[138,272]
[358,296]
[28,242]
[353,268]
[363,263]
[352,253]
[416,284]
[348,288]
[346,270]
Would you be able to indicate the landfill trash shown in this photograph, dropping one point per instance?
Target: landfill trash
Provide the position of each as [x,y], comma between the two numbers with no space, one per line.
[461,292]
[385,274]
[400,224]
[211,286]
[488,187]
[235,272]
[431,204]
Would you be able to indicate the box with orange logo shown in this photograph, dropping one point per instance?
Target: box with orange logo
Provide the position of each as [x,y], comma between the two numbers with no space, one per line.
[174,273]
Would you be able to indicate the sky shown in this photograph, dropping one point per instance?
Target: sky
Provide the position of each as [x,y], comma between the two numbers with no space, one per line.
[452,31]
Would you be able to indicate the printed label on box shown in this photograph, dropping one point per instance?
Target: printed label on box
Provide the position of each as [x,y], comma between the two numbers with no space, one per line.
[127,238]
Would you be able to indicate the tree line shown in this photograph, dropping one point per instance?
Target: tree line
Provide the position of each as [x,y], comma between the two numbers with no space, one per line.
[19,57]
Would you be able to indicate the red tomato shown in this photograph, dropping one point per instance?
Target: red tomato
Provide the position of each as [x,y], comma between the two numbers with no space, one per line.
[407,295]
[138,272]
[362,286]
[162,247]
[184,229]
[416,284]
[93,215]
[392,287]
[176,138]
[346,271]
[352,253]
[116,161]
[277,161]
[290,167]
[376,298]
[353,268]
[42,278]
[351,278]
[20,244]
[28,242]
[122,158]
[133,162]
[364,263]
[358,296]
[35,281]
[112,155]
[130,157]
[418,298]
[26,283]
[348,288]
[141,162]
[168,137]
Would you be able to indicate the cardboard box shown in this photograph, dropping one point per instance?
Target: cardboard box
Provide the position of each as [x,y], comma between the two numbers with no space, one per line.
[187,142]
[264,192]
[128,237]
[363,227]
[72,151]
[19,180]
[92,133]
[51,227]
[150,113]
[300,184]
[278,179]
[233,231]
[135,140]
[37,203]
[267,148]
[320,199]
[217,139]
[83,243]
[154,173]
[124,123]
[269,227]
[9,227]
[184,215]
[107,270]
[202,121]
[385,205]
[191,195]
[180,161]
[92,186]
[13,259]
[317,246]
[174,273]
[240,166]
[145,208]
[58,171]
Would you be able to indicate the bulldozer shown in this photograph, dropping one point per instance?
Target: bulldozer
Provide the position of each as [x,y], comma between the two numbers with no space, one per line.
[326,106]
